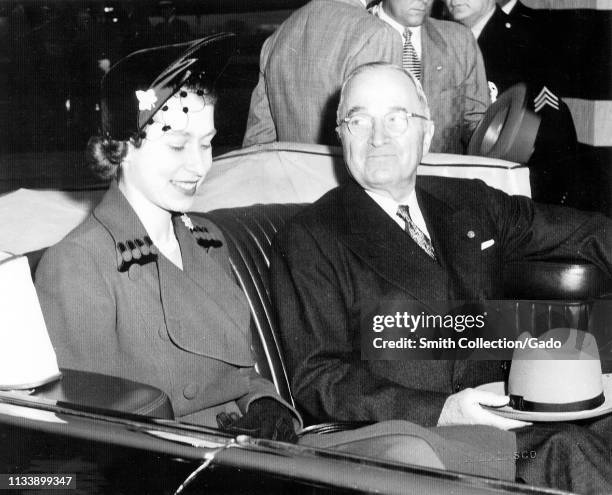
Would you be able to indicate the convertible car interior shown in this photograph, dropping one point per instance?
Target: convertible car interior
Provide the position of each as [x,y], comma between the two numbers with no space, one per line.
[559,291]
[113,411]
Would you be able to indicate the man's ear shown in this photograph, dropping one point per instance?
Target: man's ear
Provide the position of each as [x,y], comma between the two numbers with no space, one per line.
[428,136]
[338,134]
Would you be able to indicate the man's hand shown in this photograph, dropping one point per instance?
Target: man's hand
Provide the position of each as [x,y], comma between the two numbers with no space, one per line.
[265,418]
[464,408]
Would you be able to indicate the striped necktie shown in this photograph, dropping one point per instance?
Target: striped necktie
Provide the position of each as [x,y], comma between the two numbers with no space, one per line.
[410,60]
[417,234]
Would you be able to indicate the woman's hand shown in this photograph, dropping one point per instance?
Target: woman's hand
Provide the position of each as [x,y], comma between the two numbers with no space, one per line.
[265,418]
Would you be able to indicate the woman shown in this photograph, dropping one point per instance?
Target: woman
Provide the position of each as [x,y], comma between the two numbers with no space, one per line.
[140,290]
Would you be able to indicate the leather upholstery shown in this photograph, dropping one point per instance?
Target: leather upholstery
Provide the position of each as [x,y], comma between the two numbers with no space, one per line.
[554,294]
[567,280]
[249,232]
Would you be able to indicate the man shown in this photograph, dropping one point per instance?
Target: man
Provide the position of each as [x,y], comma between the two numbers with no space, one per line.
[349,252]
[513,52]
[303,64]
[451,68]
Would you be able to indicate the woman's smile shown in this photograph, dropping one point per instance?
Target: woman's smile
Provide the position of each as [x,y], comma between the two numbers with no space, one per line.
[188,187]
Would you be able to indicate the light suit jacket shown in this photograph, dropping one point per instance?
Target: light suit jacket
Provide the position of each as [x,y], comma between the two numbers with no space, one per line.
[303,64]
[184,332]
[455,83]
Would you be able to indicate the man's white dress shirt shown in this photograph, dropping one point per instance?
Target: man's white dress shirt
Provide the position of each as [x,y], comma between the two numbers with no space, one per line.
[509,6]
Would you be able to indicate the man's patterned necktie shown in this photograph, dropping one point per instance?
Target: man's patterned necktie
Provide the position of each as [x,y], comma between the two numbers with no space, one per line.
[417,234]
[410,60]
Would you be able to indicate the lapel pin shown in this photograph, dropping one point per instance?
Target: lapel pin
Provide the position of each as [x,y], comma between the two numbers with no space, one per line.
[471,234]
[439,67]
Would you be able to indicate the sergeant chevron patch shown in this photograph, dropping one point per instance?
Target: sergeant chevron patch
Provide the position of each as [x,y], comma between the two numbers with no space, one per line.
[546,97]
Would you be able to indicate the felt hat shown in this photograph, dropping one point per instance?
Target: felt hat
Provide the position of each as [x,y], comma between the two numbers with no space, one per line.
[562,379]
[555,377]
[508,128]
[139,85]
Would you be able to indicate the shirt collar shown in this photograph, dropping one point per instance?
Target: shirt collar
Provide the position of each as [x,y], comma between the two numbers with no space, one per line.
[389,205]
[379,12]
[509,6]
[480,25]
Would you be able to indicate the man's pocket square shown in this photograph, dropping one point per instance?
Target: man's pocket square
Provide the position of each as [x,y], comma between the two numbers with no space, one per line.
[486,244]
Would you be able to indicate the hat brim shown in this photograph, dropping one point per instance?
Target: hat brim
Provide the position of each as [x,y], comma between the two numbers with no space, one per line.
[511,413]
[162,71]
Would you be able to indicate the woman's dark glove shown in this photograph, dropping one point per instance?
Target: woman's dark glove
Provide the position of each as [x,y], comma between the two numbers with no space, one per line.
[265,418]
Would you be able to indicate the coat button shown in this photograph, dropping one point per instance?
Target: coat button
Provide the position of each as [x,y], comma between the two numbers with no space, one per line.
[163,333]
[458,387]
[190,391]
[134,272]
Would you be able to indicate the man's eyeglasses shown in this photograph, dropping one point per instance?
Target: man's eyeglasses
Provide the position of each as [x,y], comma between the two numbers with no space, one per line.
[395,123]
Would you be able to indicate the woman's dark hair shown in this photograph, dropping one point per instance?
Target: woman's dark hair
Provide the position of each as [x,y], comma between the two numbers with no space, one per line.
[104,154]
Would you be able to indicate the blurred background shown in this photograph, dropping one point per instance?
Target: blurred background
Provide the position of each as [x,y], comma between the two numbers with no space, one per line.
[53,55]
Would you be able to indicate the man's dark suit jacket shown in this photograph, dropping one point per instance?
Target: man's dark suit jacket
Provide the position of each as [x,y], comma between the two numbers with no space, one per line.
[344,252]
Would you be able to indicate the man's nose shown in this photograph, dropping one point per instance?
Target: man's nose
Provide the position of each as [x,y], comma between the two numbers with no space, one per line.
[379,134]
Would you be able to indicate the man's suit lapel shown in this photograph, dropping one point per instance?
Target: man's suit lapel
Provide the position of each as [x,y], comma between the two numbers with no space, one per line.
[456,237]
[388,250]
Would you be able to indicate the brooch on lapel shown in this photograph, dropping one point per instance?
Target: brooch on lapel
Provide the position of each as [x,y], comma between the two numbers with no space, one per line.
[136,251]
[203,237]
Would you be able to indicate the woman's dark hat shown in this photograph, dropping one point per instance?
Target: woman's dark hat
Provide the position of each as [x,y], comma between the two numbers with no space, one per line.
[137,86]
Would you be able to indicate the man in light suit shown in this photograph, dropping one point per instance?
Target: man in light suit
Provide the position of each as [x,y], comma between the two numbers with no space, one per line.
[453,74]
[303,64]
[390,235]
